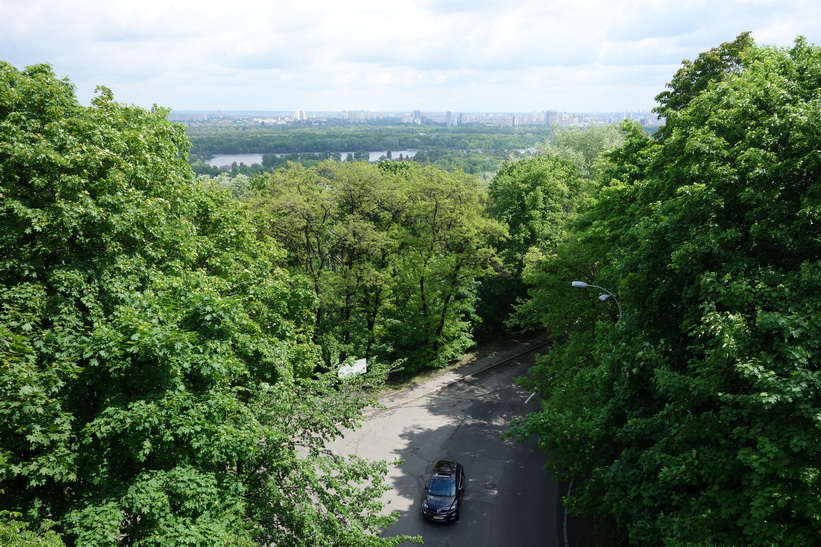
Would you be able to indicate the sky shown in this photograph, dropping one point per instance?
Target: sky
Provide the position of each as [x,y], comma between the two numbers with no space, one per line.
[383,55]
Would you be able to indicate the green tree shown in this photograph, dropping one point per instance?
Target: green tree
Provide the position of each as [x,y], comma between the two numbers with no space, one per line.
[445,239]
[14,531]
[695,76]
[694,419]
[393,251]
[539,199]
[535,199]
[147,334]
[335,221]
[585,147]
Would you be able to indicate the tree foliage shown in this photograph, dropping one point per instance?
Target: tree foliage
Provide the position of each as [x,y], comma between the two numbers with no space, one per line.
[695,419]
[156,359]
[264,139]
[585,147]
[392,250]
[539,199]
[695,76]
[447,241]
[535,198]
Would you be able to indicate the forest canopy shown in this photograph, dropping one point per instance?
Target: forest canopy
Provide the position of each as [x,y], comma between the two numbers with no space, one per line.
[159,381]
[694,419]
[207,140]
[393,252]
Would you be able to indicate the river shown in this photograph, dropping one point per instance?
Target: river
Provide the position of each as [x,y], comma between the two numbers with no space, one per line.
[221,160]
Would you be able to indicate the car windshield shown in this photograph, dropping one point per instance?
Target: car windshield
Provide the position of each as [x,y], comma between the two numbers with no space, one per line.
[442,487]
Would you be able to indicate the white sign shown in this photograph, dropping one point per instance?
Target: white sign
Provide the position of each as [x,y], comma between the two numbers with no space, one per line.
[359,366]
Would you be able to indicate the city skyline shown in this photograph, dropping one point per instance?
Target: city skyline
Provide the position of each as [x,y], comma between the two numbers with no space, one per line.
[449,118]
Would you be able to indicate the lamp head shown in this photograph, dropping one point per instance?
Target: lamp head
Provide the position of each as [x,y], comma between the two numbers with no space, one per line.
[580,284]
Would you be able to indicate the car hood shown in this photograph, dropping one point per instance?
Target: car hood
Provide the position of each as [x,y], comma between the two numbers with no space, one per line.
[440,502]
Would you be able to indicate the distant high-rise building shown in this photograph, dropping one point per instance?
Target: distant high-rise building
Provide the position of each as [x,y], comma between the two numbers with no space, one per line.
[466,118]
[356,115]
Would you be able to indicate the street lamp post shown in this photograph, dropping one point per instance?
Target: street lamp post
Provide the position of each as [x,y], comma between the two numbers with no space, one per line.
[606,296]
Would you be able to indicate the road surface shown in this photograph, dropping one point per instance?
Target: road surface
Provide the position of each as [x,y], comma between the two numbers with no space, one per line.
[509,499]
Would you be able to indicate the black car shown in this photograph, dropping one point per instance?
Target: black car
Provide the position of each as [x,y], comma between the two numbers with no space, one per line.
[443,493]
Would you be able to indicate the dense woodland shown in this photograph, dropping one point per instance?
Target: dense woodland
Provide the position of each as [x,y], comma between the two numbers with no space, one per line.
[478,150]
[169,340]
[207,140]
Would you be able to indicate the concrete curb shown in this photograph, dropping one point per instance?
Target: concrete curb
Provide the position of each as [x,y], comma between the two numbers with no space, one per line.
[439,383]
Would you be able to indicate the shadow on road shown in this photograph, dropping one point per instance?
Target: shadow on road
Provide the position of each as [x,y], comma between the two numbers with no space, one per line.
[509,499]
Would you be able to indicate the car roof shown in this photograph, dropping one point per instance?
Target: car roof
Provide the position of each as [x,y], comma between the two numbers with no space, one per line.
[445,467]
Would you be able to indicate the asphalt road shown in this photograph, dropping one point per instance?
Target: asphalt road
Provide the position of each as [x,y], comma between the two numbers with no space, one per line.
[509,499]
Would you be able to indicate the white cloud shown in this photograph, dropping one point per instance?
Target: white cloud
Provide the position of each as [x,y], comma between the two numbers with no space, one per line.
[433,54]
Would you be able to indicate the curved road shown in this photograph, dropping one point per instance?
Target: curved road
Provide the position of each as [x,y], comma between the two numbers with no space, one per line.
[509,499]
